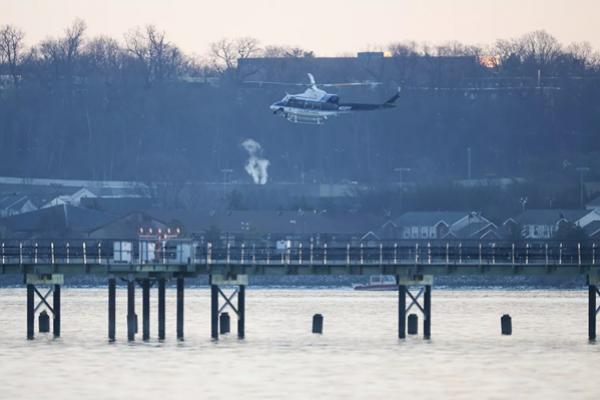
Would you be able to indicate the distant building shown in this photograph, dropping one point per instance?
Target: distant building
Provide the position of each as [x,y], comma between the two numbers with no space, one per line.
[76,197]
[62,221]
[15,204]
[127,226]
[417,70]
[439,225]
[592,230]
[594,204]
[544,223]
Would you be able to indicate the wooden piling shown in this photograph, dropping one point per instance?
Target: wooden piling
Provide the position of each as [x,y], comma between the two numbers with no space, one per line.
[214,312]
[592,312]
[112,284]
[401,311]
[241,312]
[180,284]
[131,317]
[56,307]
[146,309]
[161,309]
[30,311]
[427,313]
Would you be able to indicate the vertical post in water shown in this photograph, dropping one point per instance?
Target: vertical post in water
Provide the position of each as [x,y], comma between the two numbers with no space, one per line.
[112,285]
[161,309]
[592,312]
[241,311]
[427,312]
[56,307]
[214,311]
[180,308]
[401,311]
[30,311]
[131,317]
[146,309]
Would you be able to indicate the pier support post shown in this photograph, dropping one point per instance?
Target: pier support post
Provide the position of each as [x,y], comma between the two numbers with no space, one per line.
[180,308]
[146,309]
[30,311]
[131,317]
[593,283]
[401,311]
[241,311]
[427,313]
[112,285]
[161,309]
[404,283]
[56,309]
[214,311]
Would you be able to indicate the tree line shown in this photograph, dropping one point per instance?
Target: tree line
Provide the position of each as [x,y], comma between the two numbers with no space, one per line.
[140,108]
[146,53]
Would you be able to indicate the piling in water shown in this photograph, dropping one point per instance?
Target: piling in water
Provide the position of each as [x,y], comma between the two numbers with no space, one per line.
[413,324]
[506,324]
[317,323]
[44,322]
[224,323]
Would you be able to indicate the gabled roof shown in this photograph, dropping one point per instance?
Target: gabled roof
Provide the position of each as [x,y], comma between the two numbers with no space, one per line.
[431,218]
[592,229]
[13,202]
[273,222]
[475,230]
[62,218]
[550,216]
[594,203]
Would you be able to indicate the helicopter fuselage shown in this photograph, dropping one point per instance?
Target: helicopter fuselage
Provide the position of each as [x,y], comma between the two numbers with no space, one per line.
[315,106]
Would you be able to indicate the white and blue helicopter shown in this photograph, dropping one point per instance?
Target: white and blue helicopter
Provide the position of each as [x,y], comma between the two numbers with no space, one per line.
[315,105]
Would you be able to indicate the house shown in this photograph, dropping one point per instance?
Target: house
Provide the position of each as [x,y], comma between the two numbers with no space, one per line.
[269,224]
[594,204]
[73,199]
[81,195]
[592,230]
[62,221]
[544,223]
[438,225]
[127,226]
[15,204]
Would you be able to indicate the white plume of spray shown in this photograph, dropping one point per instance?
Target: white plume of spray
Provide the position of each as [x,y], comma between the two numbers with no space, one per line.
[256,166]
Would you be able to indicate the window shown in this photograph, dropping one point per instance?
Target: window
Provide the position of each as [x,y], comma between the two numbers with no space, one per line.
[415,232]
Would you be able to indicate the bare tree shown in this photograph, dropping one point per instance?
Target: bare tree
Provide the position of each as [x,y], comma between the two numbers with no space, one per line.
[286,52]
[540,49]
[11,49]
[226,53]
[62,53]
[103,56]
[159,58]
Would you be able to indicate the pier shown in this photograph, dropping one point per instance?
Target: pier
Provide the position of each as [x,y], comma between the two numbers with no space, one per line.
[146,264]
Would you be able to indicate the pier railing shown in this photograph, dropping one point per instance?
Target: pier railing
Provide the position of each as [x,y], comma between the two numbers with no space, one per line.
[181,252]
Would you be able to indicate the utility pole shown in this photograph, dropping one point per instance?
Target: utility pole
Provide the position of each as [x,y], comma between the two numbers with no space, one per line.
[581,171]
[226,172]
[469,163]
[400,170]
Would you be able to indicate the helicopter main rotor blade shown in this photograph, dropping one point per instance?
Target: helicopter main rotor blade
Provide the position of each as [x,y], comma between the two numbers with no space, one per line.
[260,83]
[349,84]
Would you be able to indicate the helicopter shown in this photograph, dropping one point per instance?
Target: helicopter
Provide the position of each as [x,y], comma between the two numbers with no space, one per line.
[315,105]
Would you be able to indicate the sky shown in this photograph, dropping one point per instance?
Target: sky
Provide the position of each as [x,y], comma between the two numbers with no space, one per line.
[328,27]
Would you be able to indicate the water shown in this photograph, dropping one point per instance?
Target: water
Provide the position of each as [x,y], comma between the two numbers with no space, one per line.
[548,355]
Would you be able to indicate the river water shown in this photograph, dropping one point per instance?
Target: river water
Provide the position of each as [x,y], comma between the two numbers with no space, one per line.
[358,356]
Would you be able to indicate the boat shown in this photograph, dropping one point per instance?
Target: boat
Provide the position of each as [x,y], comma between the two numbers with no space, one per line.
[378,283]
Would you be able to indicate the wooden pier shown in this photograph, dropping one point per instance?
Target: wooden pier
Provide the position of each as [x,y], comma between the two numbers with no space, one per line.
[229,267]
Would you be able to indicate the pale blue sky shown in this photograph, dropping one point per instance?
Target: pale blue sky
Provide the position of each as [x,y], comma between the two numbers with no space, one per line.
[329,27]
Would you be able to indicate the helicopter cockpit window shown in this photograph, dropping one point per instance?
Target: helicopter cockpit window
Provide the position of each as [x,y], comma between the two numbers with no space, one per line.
[333,100]
[294,102]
